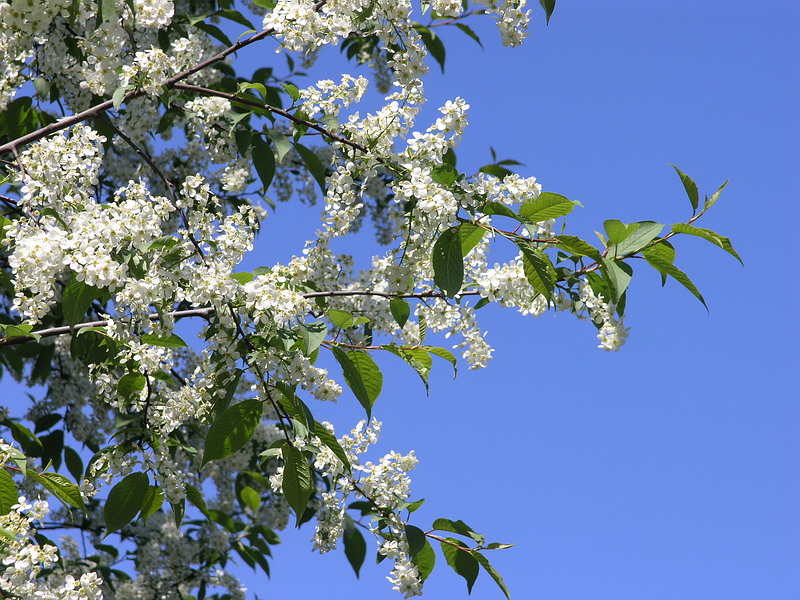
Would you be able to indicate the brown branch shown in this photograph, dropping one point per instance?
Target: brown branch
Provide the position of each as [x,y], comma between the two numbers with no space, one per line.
[104,106]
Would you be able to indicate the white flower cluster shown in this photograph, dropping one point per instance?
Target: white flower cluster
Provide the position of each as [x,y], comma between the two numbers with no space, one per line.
[328,98]
[612,332]
[23,560]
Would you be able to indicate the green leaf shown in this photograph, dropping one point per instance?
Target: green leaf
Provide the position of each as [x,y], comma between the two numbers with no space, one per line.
[639,235]
[313,164]
[118,97]
[76,300]
[214,32]
[495,208]
[466,29]
[664,251]
[172,341]
[461,561]
[232,430]
[442,524]
[195,497]
[470,236]
[617,231]
[355,548]
[445,354]
[297,483]
[61,487]
[425,560]
[577,246]
[549,6]
[108,10]
[344,320]
[130,384]
[713,200]
[9,493]
[547,206]
[243,278]
[327,438]
[125,500]
[418,358]
[445,174]
[667,268]
[401,310]
[538,269]
[362,376]
[416,539]
[236,17]
[312,335]
[281,143]
[708,235]
[433,43]
[618,274]
[73,462]
[690,187]
[448,262]
[484,562]
[152,501]
[250,497]
[292,90]
[264,161]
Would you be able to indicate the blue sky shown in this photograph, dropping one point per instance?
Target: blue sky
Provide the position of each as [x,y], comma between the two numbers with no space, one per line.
[667,470]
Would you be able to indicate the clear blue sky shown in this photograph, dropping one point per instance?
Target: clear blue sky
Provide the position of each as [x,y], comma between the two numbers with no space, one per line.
[667,470]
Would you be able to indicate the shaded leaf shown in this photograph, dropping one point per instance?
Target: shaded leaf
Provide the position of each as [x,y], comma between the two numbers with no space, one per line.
[313,164]
[125,500]
[461,561]
[667,268]
[232,430]
[355,548]
[264,161]
[297,483]
[401,310]
[538,269]
[76,300]
[448,262]
[690,186]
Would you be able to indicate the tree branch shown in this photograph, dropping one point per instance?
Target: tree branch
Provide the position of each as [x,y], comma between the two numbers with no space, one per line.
[104,106]
[205,312]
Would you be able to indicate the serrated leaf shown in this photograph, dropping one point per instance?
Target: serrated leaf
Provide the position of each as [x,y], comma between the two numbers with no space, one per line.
[708,235]
[709,202]
[171,341]
[344,320]
[418,358]
[495,208]
[125,500]
[669,269]
[577,246]
[312,335]
[327,438]
[196,498]
[9,493]
[538,270]
[484,562]
[639,235]
[297,483]
[461,561]
[153,501]
[617,231]
[313,164]
[292,90]
[130,384]
[466,29]
[76,300]
[442,524]
[618,274]
[690,186]
[470,236]
[61,487]
[445,174]
[663,250]
[425,561]
[448,263]
[355,548]
[362,376]
[547,206]
[445,354]
[401,310]
[263,161]
[416,539]
[232,430]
